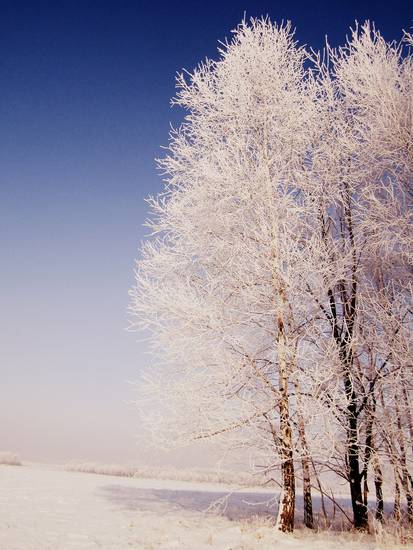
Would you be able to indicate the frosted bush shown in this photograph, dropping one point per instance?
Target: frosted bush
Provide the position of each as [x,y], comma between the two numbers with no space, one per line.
[10,459]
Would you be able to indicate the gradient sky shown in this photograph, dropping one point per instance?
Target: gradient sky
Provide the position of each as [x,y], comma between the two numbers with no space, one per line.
[84,108]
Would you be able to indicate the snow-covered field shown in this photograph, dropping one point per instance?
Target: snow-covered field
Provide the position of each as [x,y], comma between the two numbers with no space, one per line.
[45,507]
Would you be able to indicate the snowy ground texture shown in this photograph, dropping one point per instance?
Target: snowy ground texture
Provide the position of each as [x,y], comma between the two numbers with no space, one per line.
[48,508]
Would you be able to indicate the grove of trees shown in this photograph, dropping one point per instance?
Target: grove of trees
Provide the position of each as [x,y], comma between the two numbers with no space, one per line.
[277,281]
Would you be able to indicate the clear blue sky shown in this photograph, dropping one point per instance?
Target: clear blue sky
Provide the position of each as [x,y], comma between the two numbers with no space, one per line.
[84,107]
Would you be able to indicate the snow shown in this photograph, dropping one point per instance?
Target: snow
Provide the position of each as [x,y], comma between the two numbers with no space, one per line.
[47,508]
[203,475]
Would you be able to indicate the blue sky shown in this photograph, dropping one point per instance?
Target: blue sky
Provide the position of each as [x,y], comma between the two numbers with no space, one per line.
[84,108]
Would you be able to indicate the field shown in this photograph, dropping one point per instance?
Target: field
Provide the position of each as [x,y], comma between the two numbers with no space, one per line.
[48,508]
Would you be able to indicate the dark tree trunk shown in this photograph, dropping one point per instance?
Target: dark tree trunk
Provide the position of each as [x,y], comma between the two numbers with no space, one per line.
[365,492]
[378,484]
[285,520]
[369,444]
[308,501]
[359,509]
[353,462]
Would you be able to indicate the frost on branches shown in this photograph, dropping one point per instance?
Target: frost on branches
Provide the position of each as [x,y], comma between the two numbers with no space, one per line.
[276,284]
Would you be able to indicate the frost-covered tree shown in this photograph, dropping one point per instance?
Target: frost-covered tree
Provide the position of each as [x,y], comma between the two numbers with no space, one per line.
[220,284]
[277,282]
[360,173]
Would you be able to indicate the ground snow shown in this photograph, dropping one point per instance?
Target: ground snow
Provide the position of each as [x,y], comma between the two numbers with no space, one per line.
[47,508]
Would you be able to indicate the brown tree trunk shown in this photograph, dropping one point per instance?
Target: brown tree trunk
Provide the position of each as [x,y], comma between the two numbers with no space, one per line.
[308,502]
[285,519]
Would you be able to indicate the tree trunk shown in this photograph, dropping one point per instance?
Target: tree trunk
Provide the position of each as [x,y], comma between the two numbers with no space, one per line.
[344,337]
[359,510]
[370,411]
[353,463]
[408,494]
[365,492]
[397,508]
[285,519]
[308,502]
[378,484]
[404,478]
[320,488]
[305,463]
[408,412]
